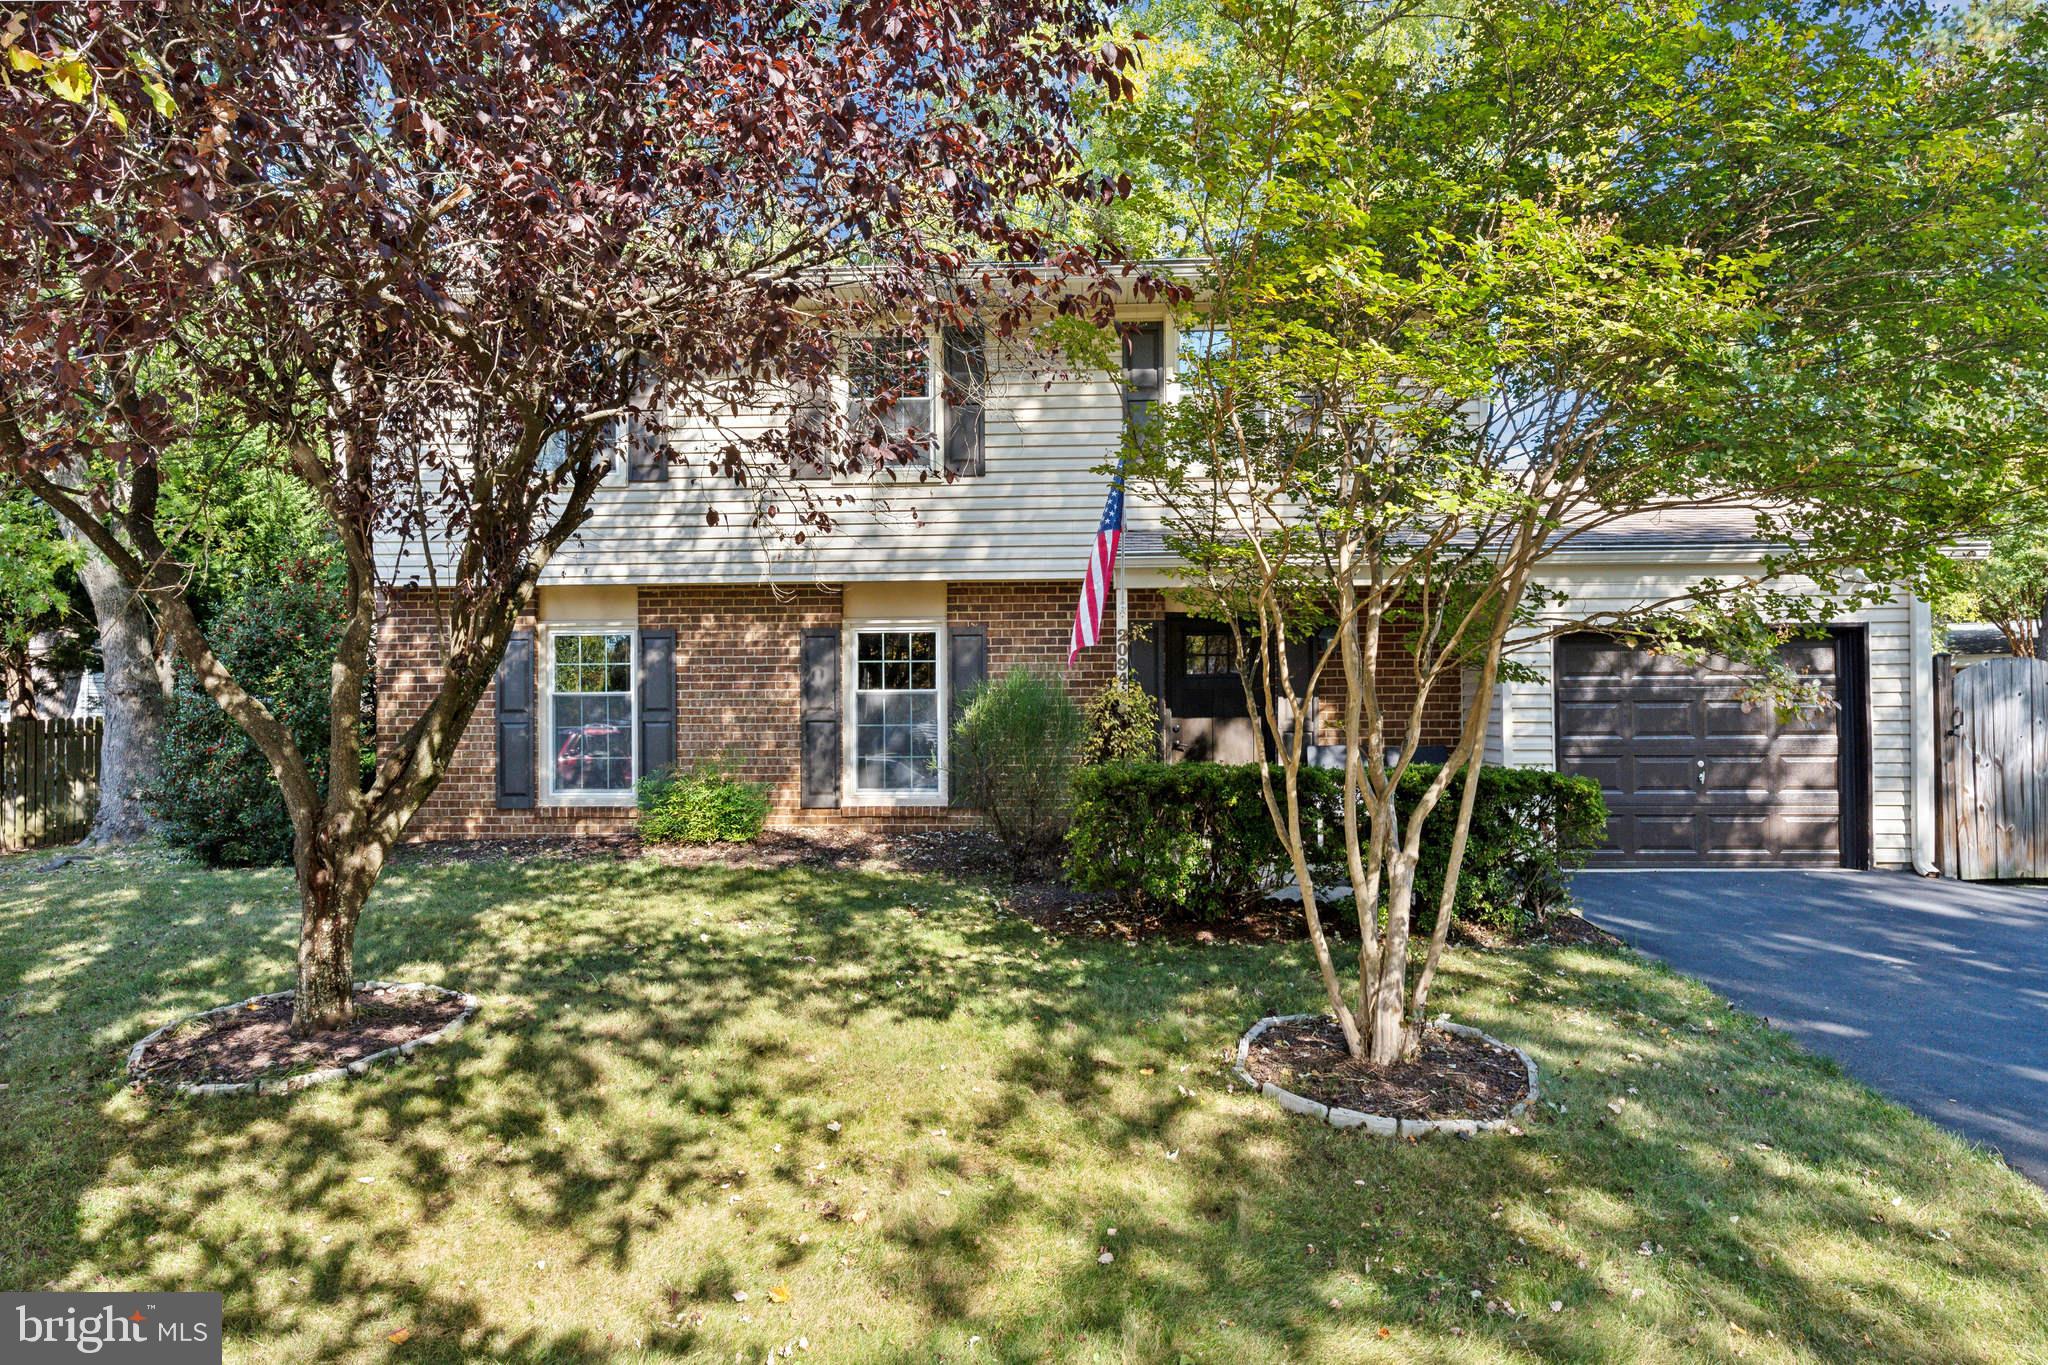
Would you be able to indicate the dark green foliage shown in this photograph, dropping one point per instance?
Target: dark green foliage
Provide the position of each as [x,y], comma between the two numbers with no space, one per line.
[1196,838]
[216,794]
[708,804]
[1012,759]
[1191,837]
[1530,831]
[1123,725]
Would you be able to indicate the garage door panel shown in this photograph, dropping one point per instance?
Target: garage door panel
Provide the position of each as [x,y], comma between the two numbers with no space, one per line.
[1663,720]
[1595,720]
[1661,776]
[1735,718]
[1665,834]
[1694,772]
[1815,775]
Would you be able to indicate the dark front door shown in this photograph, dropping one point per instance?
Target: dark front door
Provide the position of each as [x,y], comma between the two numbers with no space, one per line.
[1693,770]
[1207,719]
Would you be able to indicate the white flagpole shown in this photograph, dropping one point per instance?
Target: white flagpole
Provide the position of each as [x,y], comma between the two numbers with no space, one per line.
[1123,632]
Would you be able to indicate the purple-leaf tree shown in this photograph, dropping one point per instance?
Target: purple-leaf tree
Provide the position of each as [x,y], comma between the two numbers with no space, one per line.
[441,255]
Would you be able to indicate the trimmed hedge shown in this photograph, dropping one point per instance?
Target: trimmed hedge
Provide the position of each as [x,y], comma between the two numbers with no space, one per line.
[1530,831]
[708,804]
[1194,838]
[1189,837]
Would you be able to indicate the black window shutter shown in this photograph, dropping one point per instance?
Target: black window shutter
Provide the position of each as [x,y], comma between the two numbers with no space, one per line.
[646,445]
[966,364]
[515,724]
[810,426]
[821,751]
[657,700]
[966,665]
[1145,651]
[966,669]
[1144,345]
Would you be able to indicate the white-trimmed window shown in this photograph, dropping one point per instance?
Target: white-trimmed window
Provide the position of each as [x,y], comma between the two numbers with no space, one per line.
[591,723]
[892,381]
[895,726]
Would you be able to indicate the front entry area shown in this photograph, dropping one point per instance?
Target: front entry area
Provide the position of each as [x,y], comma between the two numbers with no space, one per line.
[1205,714]
[1696,773]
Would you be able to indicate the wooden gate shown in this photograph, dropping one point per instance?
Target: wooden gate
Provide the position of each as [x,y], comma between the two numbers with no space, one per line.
[49,782]
[1993,788]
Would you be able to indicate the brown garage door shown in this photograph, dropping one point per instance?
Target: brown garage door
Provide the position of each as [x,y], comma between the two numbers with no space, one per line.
[1692,772]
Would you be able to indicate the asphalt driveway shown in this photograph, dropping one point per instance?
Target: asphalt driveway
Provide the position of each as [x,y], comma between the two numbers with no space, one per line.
[1933,992]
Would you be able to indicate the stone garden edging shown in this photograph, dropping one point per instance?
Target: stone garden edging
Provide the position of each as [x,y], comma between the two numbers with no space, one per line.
[1380,1125]
[285,1084]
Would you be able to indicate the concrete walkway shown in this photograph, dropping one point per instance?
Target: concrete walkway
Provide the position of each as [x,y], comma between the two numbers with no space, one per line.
[1932,992]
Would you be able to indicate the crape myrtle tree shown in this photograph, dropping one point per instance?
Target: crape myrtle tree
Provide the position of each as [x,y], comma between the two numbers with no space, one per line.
[2008,586]
[1489,281]
[447,259]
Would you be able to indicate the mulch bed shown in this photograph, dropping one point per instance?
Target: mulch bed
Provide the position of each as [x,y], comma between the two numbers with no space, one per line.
[1579,931]
[255,1043]
[1449,1077]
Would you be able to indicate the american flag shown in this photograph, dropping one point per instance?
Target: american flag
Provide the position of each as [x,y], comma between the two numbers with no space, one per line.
[1101,570]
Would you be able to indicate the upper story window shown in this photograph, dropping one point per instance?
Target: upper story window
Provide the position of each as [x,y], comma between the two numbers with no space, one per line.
[554,451]
[1197,346]
[892,383]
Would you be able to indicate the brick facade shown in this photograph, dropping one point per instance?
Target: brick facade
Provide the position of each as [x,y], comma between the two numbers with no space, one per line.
[738,694]
[1443,716]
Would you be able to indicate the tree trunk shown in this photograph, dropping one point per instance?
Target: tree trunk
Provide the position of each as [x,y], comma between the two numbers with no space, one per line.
[132,697]
[1387,1023]
[329,910]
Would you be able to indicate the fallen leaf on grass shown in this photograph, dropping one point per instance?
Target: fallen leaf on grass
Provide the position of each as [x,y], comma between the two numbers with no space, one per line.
[400,1337]
[780,1293]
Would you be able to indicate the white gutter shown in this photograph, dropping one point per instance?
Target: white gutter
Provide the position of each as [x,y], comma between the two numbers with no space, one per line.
[1921,656]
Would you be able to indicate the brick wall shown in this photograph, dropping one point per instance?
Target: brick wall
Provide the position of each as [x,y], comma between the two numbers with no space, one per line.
[738,694]
[1443,714]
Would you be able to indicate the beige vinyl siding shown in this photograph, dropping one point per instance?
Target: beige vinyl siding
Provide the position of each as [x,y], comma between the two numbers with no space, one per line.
[1527,712]
[1032,515]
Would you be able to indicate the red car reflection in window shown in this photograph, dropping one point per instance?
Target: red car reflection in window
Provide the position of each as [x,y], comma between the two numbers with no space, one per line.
[583,761]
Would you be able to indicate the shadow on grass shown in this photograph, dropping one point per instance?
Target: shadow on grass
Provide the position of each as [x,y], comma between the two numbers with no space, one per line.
[641,1128]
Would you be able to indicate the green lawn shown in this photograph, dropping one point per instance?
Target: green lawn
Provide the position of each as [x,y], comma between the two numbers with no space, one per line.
[640,1130]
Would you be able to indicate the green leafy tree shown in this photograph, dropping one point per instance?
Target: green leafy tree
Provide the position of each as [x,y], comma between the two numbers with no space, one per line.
[40,600]
[2007,588]
[1489,280]
[214,792]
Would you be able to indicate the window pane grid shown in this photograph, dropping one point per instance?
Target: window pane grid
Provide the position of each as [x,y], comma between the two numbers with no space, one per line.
[896,371]
[592,712]
[1210,656]
[896,710]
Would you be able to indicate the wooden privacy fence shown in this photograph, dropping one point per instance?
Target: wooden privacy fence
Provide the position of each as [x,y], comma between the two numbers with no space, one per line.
[1992,723]
[49,782]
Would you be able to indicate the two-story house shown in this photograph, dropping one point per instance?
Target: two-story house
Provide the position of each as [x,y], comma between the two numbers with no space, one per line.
[827,668]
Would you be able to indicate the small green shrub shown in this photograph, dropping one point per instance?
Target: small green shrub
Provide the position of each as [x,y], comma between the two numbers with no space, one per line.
[1123,725]
[1012,759]
[215,794]
[707,804]
[1195,839]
